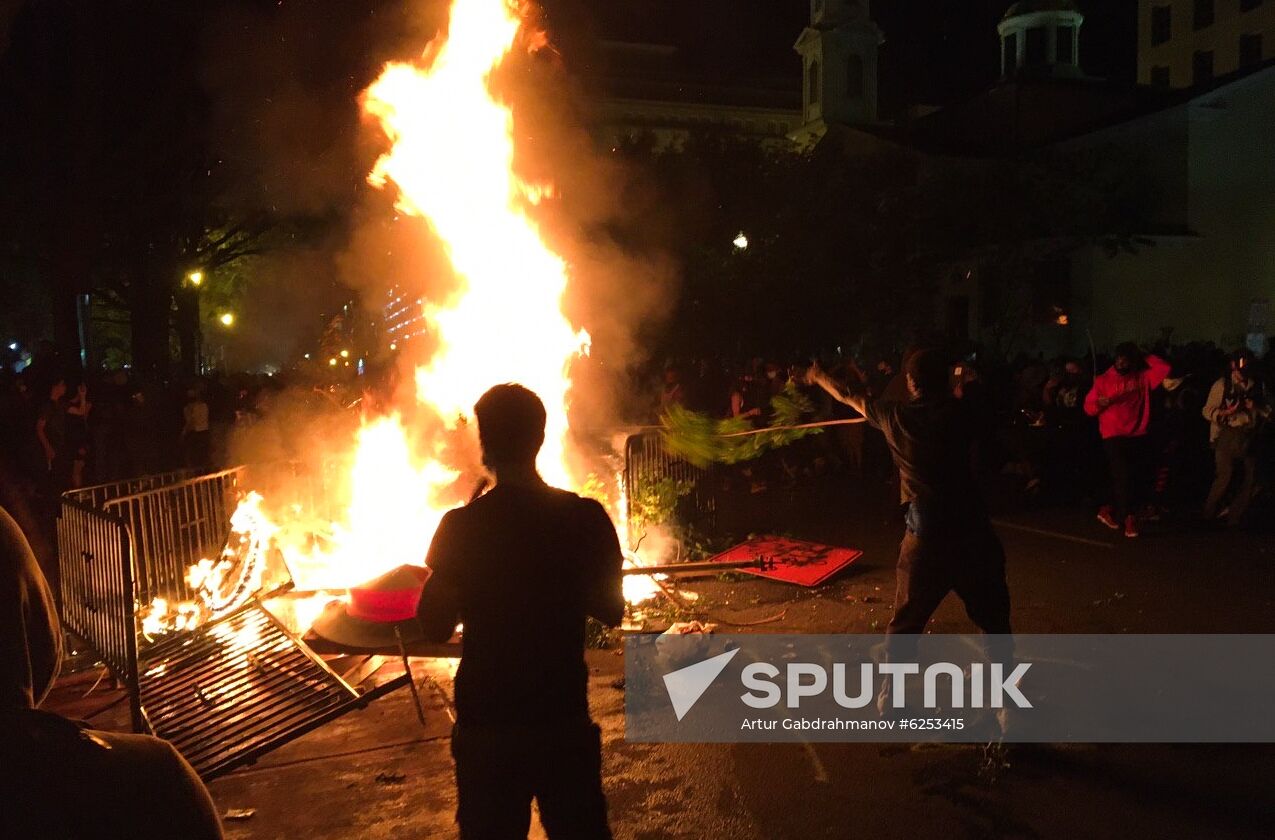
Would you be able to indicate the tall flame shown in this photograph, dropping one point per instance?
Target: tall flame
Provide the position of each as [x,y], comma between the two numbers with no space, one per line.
[452,163]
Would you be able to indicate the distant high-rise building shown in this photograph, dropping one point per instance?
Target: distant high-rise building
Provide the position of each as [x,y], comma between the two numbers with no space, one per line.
[1189,43]
[402,318]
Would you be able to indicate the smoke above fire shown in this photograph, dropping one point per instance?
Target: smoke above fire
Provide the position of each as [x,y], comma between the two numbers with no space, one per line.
[488,201]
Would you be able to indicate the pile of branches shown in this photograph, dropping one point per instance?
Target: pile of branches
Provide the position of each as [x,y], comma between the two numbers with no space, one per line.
[704,440]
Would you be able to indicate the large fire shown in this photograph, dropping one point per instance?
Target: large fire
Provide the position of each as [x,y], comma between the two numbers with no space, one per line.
[450,162]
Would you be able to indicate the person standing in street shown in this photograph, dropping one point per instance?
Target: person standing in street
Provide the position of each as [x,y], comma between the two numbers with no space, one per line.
[523,567]
[1235,409]
[1121,400]
[51,433]
[196,436]
[949,544]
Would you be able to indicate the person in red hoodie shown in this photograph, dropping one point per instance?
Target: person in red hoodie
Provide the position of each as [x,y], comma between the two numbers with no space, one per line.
[1121,400]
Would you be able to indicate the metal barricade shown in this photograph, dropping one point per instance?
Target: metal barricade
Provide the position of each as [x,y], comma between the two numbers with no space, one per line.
[96,569]
[121,545]
[97,495]
[172,527]
[647,462]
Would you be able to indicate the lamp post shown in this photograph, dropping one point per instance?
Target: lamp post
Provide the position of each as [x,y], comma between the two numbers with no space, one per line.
[191,328]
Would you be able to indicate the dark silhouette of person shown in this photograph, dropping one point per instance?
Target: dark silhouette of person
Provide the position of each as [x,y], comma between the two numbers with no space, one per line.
[949,544]
[60,777]
[523,567]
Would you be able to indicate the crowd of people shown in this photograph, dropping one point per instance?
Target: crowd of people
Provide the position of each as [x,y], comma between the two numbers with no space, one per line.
[1141,433]
[68,429]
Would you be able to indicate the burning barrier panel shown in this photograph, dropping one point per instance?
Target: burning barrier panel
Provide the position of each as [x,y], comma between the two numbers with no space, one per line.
[239,687]
[233,683]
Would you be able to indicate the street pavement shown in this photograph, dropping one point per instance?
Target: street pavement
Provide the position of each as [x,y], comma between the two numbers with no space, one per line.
[377,773]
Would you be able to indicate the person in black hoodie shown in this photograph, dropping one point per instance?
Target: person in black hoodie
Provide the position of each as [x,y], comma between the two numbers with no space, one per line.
[525,555]
[62,779]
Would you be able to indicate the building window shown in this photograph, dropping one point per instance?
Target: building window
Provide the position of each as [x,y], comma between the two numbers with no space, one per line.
[1161,24]
[1066,49]
[1249,5]
[1203,13]
[1202,67]
[1009,61]
[1250,50]
[854,78]
[813,81]
[1035,47]
[1160,76]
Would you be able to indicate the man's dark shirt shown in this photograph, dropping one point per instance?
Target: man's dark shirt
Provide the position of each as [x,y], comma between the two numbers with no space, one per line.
[522,567]
[931,444]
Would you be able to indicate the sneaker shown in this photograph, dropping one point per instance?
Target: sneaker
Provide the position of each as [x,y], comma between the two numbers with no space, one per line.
[1107,517]
[1130,526]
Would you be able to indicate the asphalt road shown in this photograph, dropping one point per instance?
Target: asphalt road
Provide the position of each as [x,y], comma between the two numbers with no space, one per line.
[377,774]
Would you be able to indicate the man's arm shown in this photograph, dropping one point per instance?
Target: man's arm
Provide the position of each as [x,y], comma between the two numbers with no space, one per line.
[1094,402]
[438,610]
[1157,370]
[603,584]
[45,444]
[1213,404]
[816,375]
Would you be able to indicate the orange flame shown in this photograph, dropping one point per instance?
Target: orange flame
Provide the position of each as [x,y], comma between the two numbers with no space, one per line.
[452,163]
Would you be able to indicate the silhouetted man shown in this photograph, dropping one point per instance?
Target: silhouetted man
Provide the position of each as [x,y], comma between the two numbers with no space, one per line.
[522,567]
[949,544]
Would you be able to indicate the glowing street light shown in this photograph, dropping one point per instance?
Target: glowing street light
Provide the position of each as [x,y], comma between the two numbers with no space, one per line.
[345,354]
[195,278]
[740,241]
[227,319]
[332,362]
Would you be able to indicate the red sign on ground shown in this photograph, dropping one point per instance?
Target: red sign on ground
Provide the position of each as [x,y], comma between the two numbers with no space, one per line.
[794,561]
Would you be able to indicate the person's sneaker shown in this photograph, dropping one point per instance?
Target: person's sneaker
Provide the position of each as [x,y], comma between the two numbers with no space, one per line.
[1131,526]
[1108,517]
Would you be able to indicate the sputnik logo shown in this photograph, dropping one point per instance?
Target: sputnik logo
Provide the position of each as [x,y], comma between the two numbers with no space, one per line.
[687,685]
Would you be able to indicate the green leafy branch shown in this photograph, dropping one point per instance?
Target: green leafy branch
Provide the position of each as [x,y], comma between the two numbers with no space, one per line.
[704,440]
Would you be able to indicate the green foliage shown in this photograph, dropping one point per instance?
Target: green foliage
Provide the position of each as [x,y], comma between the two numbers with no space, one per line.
[656,503]
[597,636]
[704,440]
[595,488]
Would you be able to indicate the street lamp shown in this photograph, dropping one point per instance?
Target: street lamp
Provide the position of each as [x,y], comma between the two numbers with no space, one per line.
[345,354]
[195,278]
[227,319]
[740,241]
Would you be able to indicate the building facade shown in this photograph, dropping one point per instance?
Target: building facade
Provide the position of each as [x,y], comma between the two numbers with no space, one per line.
[647,96]
[1190,43]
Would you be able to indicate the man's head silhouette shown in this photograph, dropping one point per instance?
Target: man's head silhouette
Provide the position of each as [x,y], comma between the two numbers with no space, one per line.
[511,426]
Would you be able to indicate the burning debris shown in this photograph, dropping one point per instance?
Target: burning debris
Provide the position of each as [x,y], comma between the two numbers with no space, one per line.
[502,322]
